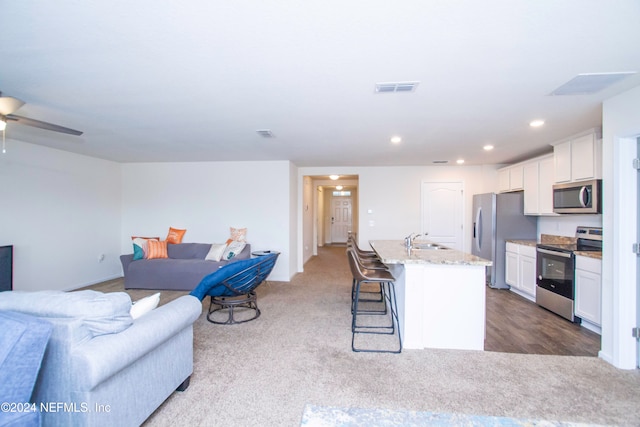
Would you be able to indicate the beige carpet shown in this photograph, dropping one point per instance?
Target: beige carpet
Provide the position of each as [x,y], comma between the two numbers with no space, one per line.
[298,352]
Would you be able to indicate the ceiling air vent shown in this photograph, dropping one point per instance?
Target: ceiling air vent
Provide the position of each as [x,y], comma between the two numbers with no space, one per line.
[585,84]
[440,162]
[265,133]
[396,87]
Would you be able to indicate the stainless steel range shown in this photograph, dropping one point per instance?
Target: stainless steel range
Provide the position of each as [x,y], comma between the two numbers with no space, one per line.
[555,289]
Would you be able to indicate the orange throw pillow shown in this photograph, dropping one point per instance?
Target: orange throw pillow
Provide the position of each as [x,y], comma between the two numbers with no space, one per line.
[175,235]
[157,249]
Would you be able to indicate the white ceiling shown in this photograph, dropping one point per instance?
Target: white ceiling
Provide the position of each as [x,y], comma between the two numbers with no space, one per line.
[150,80]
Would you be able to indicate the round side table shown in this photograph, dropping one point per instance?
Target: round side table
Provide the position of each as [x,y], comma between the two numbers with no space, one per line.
[263,253]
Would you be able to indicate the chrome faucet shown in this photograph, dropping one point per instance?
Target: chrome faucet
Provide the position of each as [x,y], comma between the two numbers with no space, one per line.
[408,241]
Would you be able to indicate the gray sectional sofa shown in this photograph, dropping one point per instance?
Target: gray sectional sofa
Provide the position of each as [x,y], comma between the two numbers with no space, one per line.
[101,367]
[182,271]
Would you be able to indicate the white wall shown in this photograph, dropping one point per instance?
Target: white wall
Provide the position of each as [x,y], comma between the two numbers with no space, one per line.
[207,198]
[61,211]
[620,126]
[393,195]
[565,225]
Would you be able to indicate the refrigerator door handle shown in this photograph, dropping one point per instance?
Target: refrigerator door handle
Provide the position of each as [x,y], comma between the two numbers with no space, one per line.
[477,230]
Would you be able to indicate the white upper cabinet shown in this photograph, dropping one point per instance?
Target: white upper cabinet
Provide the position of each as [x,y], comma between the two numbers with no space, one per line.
[562,161]
[538,186]
[510,178]
[586,158]
[578,158]
[545,187]
[531,193]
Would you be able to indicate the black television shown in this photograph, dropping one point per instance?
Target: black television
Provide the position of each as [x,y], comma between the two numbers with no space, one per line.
[6,268]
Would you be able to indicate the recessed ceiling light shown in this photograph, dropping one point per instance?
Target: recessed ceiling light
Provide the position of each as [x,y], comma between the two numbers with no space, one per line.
[460,161]
[488,147]
[396,140]
[536,123]
[334,177]
[265,133]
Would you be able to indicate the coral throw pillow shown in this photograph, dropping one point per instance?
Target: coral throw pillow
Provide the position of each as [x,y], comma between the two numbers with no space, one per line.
[238,234]
[175,235]
[141,246]
[157,249]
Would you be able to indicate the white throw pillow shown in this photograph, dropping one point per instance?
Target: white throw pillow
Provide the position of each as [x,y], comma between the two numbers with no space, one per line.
[216,251]
[144,305]
[233,249]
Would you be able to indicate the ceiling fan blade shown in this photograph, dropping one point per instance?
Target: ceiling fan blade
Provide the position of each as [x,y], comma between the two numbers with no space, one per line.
[9,104]
[42,125]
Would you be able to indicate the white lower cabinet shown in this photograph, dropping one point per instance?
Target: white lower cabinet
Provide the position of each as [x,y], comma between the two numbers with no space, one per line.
[520,269]
[527,265]
[511,265]
[588,298]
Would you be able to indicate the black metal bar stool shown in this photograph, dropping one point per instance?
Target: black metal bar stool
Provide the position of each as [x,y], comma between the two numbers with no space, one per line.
[387,283]
[368,260]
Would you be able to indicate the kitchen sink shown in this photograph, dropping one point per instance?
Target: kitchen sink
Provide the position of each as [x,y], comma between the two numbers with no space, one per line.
[428,246]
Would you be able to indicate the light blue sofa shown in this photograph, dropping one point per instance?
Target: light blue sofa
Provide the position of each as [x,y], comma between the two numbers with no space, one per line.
[100,367]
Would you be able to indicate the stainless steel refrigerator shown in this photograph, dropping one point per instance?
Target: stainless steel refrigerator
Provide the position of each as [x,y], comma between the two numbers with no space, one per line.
[496,218]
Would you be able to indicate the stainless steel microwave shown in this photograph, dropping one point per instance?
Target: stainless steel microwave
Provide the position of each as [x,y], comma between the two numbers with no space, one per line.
[583,197]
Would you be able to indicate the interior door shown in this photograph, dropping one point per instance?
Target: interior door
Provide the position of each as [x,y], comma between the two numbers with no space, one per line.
[341,210]
[442,213]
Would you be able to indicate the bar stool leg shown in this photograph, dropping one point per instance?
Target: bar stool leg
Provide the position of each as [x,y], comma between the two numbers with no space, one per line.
[390,297]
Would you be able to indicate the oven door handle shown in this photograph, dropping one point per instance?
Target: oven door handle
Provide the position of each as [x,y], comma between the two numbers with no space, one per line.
[548,252]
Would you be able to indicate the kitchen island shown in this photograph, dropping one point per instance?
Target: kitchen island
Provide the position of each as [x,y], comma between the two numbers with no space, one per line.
[440,294]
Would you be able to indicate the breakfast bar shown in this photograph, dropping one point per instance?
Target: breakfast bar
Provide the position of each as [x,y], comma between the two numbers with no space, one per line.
[440,294]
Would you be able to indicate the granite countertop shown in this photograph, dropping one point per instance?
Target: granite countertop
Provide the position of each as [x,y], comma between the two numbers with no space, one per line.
[545,238]
[522,242]
[562,240]
[589,254]
[394,252]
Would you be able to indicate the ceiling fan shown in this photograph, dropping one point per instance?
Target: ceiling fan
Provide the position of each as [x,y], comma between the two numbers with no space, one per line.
[9,104]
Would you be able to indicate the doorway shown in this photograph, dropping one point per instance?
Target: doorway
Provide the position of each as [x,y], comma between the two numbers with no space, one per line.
[341,218]
[326,219]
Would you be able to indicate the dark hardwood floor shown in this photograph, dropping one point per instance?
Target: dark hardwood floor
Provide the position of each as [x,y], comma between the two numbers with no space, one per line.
[517,325]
